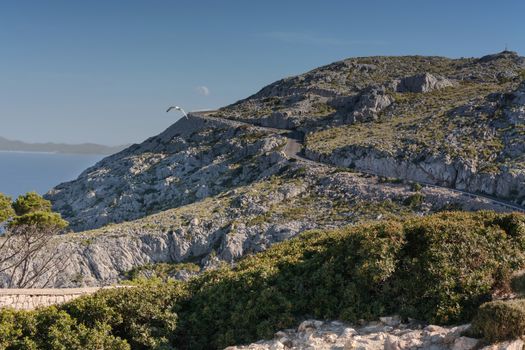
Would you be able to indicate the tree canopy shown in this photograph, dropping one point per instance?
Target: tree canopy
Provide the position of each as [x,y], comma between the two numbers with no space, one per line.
[29,209]
[31,202]
[6,208]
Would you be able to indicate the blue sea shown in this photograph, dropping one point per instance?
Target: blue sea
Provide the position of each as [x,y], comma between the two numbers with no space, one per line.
[22,172]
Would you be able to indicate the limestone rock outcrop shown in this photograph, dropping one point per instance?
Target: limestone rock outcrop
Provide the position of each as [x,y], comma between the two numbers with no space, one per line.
[193,159]
[515,110]
[425,82]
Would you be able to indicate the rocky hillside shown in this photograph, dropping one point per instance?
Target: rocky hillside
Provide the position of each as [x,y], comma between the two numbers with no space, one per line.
[193,159]
[221,185]
[451,122]
[243,220]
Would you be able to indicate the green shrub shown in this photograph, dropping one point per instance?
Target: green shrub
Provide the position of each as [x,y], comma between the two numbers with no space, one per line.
[416,187]
[500,320]
[518,284]
[451,263]
[144,315]
[415,200]
[40,219]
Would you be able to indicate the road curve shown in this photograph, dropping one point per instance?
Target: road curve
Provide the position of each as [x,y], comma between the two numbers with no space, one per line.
[294,150]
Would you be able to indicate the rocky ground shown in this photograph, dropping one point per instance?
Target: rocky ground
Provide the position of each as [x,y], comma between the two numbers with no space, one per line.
[193,159]
[388,334]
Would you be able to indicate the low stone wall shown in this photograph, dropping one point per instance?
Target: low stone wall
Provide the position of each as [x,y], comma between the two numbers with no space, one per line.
[29,299]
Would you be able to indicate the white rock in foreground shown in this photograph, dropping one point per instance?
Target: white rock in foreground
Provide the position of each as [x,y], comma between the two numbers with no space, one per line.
[388,334]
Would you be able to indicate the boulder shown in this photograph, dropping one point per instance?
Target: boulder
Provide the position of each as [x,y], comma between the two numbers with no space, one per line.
[369,104]
[425,82]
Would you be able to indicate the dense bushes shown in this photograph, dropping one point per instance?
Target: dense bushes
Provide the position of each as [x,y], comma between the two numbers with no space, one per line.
[324,274]
[438,268]
[450,264]
[146,316]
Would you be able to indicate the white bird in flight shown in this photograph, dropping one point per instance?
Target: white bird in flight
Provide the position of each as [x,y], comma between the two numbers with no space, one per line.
[178,109]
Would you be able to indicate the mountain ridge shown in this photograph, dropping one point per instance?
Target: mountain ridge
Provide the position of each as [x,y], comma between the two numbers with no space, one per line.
[52,147]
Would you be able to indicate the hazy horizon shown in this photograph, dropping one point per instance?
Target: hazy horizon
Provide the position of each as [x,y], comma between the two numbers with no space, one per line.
[58,143]
[109,77]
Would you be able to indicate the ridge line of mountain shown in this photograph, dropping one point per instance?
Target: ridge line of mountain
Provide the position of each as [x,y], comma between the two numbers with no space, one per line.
[8,145]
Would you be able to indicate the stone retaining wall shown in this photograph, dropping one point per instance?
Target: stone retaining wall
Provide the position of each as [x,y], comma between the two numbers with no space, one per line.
[29,299]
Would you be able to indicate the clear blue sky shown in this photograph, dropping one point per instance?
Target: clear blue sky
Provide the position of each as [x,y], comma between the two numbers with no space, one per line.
[105,70]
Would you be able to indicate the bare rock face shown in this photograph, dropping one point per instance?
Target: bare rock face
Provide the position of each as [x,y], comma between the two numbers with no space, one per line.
[369,104]
[422,83]
[364,106]
[193,159]
[515,111]
[430,169]
[313,334]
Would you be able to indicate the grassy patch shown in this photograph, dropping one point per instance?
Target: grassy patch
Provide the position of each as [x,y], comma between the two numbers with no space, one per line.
[415,123]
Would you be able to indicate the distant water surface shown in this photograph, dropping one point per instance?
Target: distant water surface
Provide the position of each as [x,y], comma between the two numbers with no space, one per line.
[22,172]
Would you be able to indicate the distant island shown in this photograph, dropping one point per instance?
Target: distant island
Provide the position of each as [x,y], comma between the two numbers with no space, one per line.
[84,148]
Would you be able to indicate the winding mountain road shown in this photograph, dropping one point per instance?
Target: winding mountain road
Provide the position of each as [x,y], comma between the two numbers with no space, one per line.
[294,150]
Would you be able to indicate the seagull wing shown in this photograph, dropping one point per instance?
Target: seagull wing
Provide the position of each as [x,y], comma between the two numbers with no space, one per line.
[170,108]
